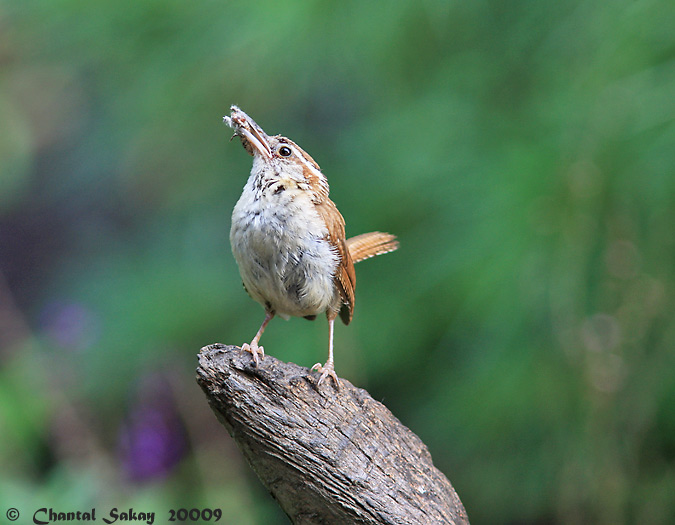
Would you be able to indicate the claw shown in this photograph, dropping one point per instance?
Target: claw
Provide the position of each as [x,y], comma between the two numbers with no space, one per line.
[255,350]
[326,370]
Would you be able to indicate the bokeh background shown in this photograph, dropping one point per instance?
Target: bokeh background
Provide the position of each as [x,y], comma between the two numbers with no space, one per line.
[523,152]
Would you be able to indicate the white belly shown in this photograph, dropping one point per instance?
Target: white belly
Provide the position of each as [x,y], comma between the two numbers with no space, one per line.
[278,241]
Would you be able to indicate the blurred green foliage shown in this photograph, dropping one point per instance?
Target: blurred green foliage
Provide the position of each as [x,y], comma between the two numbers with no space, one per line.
[522,151]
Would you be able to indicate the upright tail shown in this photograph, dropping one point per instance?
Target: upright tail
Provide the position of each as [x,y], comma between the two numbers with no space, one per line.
[369,245]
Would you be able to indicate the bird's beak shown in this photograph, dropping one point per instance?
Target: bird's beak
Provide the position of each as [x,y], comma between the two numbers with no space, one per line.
[253,138]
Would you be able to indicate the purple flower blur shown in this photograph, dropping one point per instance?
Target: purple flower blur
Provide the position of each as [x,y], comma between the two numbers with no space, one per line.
[70,325]
[153,439]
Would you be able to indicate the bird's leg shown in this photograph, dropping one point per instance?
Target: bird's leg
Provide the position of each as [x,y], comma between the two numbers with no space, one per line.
[253,348]
[328,369]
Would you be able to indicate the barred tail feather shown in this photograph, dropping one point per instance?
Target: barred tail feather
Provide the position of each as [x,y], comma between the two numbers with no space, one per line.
[369,245]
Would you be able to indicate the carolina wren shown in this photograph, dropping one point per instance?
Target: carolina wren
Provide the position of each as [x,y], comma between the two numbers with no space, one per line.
[288,237]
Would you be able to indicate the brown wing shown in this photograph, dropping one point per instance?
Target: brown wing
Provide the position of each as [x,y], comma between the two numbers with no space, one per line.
[369,245]
[345,277]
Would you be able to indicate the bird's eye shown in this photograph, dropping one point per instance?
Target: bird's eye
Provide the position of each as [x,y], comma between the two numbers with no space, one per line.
[285,151]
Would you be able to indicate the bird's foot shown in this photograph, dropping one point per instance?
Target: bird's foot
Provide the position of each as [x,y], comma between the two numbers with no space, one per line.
[255,350]
[327,370]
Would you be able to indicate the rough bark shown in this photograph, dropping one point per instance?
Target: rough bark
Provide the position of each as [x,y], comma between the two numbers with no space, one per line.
[326,456]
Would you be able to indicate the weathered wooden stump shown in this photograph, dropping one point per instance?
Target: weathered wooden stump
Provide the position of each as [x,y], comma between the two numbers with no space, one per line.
[326,456]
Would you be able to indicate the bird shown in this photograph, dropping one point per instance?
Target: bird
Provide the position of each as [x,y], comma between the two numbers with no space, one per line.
[288,238]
